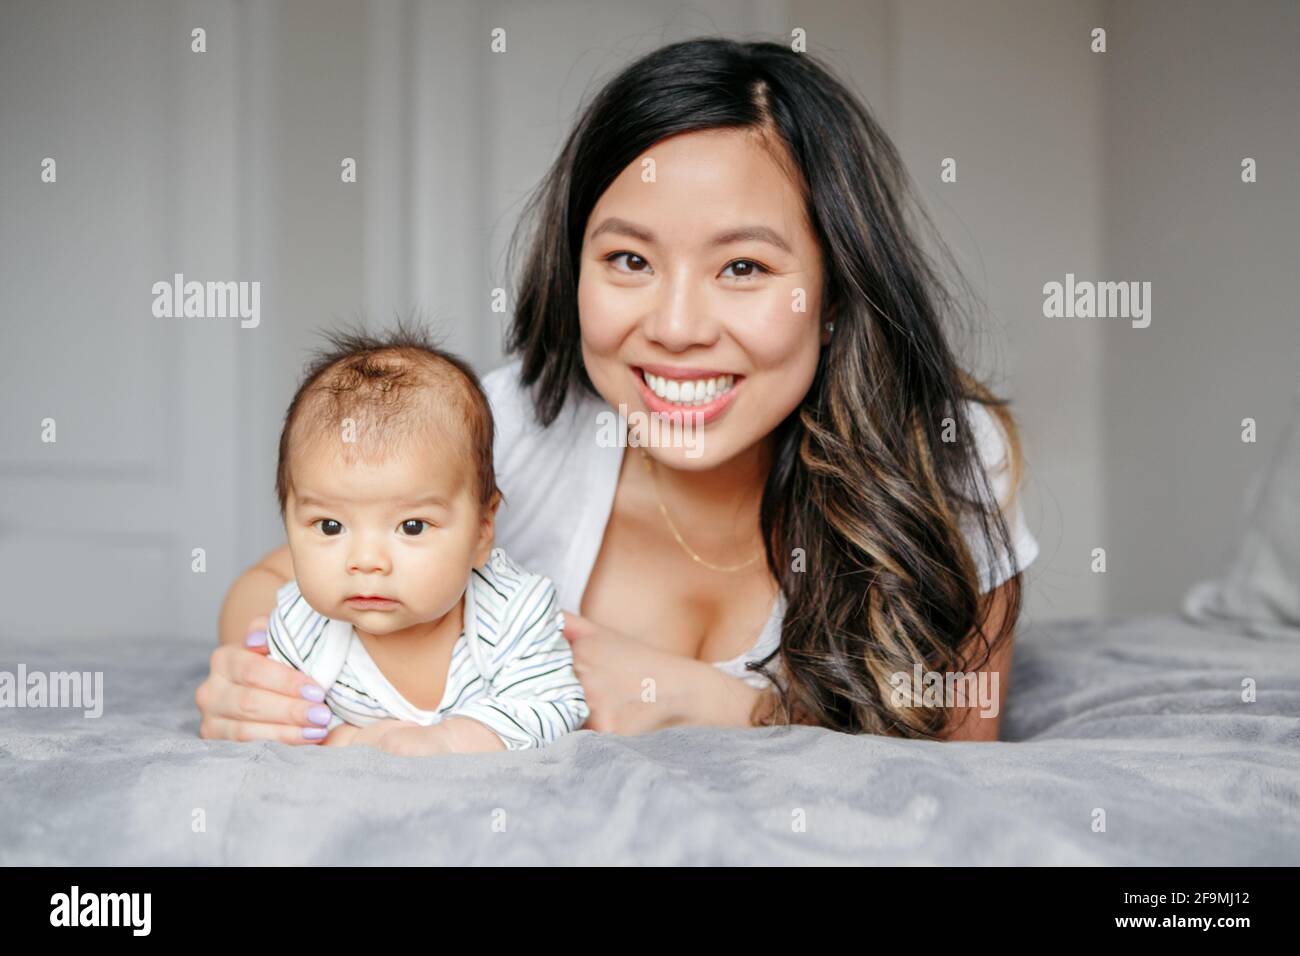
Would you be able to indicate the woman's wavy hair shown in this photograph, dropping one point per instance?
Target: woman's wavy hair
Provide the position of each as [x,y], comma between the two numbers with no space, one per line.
[876,474]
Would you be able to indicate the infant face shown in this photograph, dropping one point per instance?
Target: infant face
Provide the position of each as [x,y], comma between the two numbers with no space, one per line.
[407,530]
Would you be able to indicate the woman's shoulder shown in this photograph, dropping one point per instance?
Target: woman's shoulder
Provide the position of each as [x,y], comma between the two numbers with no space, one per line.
[1000,459]
[522,447]
[506,395]
[993,446]
[513,423]
[557,481]
[512,404]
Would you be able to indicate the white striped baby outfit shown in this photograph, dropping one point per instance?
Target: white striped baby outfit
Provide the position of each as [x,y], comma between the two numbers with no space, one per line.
[511,667]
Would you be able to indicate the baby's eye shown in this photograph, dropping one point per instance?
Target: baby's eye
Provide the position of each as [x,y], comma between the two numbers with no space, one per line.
[748,269]
[413,526]
[330,527]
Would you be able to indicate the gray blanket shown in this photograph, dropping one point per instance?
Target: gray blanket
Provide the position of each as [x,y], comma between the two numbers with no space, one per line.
[1142,719]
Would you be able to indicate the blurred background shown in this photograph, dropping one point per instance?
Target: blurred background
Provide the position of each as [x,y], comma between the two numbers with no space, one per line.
[225,165]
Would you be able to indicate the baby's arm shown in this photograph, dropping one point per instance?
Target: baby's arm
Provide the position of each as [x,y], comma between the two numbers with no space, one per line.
[345,734]
[536,696]
[458,735]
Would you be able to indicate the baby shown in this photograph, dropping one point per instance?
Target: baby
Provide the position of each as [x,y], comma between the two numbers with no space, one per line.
[425,637]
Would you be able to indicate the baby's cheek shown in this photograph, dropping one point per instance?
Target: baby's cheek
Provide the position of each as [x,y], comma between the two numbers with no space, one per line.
[438,579]
[315,577]
[319,597]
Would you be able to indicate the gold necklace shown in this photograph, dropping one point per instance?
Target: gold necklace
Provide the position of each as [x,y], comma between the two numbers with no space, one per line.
[649,466]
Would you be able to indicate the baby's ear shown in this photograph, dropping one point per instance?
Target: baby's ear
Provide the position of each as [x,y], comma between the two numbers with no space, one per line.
[487,531]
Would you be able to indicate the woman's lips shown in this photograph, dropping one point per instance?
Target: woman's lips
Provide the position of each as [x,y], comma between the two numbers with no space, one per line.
[371,603]
[679,414]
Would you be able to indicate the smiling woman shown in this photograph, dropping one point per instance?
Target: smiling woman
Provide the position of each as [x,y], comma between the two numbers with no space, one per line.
[728,235]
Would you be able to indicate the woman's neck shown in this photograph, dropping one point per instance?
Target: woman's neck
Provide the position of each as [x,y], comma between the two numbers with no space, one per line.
[722,501]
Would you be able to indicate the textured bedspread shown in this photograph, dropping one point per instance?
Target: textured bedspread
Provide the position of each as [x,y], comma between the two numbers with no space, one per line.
[1142,719]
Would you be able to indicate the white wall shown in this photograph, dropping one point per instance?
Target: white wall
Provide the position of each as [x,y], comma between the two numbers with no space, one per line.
[1187,97]
[1011,91]
[99,528]
[1120,165]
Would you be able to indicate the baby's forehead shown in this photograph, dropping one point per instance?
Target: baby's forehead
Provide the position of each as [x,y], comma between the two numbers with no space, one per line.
[426,460]
[416,453]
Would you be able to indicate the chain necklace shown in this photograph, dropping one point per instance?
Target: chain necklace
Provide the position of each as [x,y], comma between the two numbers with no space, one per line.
[649,467]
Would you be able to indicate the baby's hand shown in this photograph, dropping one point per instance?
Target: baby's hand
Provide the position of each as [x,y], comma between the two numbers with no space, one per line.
[415,740]
[345,735]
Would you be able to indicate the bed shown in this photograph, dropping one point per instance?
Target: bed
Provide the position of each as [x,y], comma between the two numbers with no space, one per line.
[1158,740]
[1142,719]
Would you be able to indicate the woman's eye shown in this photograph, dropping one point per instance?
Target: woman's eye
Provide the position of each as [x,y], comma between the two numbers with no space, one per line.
[635,263]
[413,526]
[746,269]
[330,527]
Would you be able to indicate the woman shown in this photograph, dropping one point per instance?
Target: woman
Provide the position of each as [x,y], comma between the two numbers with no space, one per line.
[727,230]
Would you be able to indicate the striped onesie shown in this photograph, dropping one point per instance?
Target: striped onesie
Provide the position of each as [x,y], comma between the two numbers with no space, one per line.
[511,668]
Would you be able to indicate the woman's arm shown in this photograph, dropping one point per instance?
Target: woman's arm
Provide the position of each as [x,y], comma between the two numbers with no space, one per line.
[253,595]
[971,723]
[713,697]
[246,696]
[717,698]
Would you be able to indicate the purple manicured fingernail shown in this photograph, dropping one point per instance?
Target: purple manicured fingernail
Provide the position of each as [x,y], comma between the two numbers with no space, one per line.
[320,714]
[312,692]
[314,733]
[256,639]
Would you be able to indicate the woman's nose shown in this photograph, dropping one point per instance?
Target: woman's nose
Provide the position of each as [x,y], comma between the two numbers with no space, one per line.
[679,319]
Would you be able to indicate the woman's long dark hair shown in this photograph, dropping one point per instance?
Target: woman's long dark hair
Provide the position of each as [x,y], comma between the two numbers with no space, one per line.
[875,472]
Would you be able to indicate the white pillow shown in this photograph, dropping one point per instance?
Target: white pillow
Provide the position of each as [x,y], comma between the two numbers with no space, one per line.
[1260,594]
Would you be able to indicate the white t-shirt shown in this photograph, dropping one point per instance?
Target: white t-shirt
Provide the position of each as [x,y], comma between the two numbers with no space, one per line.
[560,484]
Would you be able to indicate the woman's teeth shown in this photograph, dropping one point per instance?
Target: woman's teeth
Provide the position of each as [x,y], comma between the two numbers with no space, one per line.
[699,391]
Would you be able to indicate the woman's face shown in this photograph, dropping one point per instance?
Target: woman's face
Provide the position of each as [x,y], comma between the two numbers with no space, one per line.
[701,269]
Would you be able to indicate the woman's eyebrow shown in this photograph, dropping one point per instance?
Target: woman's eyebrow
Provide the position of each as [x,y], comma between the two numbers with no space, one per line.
[622,227]
[741,234]
[752,234]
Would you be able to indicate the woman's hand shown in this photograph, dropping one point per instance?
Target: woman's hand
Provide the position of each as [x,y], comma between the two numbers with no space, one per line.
[631,687]
[248,697]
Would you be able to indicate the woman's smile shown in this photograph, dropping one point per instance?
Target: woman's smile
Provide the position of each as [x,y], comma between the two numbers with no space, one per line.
[678,392]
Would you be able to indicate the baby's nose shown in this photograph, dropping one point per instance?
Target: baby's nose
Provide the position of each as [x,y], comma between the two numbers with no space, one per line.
[367,560]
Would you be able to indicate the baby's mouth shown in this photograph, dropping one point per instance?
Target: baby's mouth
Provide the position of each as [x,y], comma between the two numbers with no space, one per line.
[371,602]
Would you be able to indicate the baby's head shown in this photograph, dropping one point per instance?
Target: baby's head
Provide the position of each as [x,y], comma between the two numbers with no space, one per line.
[386,481]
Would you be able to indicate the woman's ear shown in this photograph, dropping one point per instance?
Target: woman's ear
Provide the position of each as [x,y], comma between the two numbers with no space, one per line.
[828,324]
